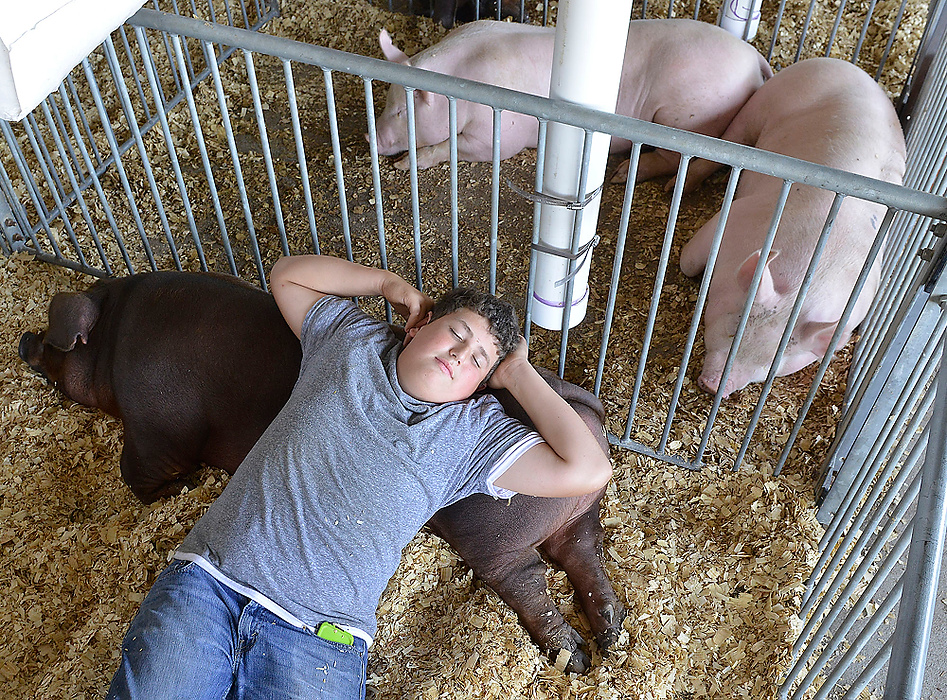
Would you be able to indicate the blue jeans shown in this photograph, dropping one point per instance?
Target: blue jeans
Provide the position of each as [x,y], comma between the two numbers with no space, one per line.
[195,638]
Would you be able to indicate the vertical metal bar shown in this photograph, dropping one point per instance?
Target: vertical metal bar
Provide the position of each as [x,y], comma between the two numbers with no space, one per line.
[616,265]
[205,159]
[777,20]
[495,197]
[413,171]
[265,146]
[150,71]
[300,155]
[572,267]
[454,209]
[835,26]
[805,29]
[894,31]
[376,181]
[871,670]
[337,159]
[912,632]
[679,182]
[864,31]
[537,209]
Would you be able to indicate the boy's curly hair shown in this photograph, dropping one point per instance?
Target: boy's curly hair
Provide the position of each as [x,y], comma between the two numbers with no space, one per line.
[500,316]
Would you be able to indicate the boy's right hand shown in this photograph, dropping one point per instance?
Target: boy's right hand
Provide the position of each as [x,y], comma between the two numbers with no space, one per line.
[413,305]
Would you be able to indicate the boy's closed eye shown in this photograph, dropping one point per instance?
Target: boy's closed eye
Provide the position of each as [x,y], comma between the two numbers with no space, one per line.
[473,355]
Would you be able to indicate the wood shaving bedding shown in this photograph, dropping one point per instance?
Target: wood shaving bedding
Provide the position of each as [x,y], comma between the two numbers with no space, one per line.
[710,565]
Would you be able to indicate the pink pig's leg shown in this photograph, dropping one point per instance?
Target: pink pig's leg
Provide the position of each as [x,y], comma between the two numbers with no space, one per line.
[696,251]
[427,156]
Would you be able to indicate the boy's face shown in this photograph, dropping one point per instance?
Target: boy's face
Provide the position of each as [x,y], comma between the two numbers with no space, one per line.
[448,359]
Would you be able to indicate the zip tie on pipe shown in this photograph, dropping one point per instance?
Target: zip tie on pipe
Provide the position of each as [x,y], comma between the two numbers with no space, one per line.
[554,201]
[582,252]
[572,204]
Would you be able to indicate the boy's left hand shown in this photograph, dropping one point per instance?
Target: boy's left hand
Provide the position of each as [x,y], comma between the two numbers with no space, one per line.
[510,366]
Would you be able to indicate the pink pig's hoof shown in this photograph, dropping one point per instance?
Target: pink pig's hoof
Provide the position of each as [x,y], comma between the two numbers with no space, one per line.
[403,163]
[621,173]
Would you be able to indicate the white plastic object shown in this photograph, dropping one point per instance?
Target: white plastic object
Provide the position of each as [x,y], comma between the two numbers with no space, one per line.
[587,63]
[741,17]
[42,40]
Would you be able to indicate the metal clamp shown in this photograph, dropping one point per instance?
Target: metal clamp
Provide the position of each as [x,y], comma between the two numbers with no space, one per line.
[582,253]
[554,201]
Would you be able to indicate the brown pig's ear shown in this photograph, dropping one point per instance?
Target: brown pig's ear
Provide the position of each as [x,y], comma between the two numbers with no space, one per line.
[71,317]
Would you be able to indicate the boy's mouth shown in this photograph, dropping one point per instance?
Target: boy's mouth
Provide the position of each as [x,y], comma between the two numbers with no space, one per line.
[446,367]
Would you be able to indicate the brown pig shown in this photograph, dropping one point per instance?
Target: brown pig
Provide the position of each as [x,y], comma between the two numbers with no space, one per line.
[196,365]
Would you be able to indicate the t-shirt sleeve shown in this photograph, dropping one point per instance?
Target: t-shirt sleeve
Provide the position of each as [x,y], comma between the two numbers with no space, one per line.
[506,461]
[337,318]
[501,442]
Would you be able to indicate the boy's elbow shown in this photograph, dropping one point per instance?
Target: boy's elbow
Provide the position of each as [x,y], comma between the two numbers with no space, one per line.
[278,271]
[601,474]
[593,475]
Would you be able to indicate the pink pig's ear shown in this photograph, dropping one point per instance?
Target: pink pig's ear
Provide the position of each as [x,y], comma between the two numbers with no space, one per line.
[816,335]
[392,52]
[767,294]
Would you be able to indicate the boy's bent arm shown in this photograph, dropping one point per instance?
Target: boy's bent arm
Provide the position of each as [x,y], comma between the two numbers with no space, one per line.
[570,462]
[299,281]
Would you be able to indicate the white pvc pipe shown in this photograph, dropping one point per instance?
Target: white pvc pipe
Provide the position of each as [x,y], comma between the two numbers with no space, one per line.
[741,17]
[587,64]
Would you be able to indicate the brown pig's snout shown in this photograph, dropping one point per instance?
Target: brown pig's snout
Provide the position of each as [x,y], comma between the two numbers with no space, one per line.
[30,348]
[30,351]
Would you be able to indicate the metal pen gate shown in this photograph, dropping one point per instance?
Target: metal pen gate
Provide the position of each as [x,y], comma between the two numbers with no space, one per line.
[170,159]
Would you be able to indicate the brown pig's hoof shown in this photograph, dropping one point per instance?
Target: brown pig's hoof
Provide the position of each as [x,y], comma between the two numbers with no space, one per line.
[569,655]
[607,637]
[570,660]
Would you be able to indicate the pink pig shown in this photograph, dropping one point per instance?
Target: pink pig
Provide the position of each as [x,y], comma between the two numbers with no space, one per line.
[678,72]
[506,54]
[825,111]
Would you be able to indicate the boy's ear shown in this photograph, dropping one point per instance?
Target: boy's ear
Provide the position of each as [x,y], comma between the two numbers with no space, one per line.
[411,332]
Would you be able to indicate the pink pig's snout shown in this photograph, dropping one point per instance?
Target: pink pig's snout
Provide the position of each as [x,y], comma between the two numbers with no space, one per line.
[387,147]
[711,372]
[710,384]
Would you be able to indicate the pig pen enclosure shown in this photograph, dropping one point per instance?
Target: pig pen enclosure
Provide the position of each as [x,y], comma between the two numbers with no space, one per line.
[777,578]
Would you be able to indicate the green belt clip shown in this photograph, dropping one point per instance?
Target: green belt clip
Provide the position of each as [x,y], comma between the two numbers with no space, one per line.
[331,633]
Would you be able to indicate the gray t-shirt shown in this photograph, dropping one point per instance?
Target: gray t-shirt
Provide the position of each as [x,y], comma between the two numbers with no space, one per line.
[317,514]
